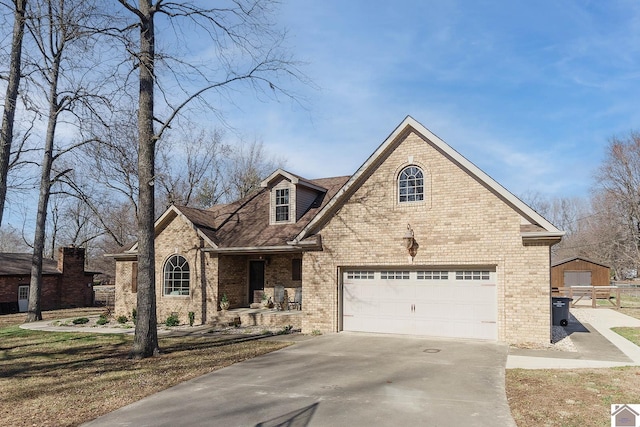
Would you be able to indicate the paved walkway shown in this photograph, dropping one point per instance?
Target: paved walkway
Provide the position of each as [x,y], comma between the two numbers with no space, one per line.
[598,346]
[590,331]
[47,325]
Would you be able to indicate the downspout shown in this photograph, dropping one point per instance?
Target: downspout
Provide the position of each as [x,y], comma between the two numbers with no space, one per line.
[203,282]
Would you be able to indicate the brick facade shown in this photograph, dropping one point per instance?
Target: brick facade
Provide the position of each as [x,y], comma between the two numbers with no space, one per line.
[178,238]
[462,223]
[68,286]
[216,274]
[465,221]
[75,289]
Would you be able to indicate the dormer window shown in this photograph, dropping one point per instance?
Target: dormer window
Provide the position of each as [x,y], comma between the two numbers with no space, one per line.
[290,197]
[282,205]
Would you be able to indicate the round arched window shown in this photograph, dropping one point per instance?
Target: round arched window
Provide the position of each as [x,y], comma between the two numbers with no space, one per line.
[411,185]
[176,276]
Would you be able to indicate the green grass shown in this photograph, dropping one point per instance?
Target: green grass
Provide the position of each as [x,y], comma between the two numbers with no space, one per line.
[632,334]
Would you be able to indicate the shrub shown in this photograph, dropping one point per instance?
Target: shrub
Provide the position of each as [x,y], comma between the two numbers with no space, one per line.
[285,330]
[80,321]
[192,318]
[172,320]
[224,302]
[102,320]
[122,319]
[134,315]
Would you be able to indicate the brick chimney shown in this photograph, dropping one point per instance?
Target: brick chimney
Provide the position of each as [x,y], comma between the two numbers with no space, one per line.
[75,291]
[71,260]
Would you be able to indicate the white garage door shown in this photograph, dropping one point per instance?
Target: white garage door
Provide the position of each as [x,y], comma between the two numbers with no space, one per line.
[446,303]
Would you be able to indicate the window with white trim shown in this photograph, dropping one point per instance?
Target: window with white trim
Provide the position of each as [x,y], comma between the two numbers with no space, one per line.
[433,275]
[176,276]
[23,292]
[360,275]
[472,275]
[411,185]
[394,275]
[282,205]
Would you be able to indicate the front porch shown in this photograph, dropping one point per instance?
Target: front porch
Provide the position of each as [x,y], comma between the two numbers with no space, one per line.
[266,317]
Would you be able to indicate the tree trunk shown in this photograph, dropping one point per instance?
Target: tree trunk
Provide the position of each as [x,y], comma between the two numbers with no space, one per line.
[34,310]
[145,343]
[6,134]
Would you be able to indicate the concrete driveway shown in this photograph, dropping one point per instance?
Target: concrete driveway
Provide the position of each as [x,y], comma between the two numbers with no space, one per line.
[344,379]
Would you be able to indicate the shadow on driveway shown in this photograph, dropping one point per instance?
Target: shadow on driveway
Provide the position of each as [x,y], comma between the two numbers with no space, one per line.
[297,418]
[346,379]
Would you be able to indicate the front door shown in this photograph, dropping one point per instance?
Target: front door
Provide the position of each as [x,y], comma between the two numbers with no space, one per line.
[256,281]
[23,298]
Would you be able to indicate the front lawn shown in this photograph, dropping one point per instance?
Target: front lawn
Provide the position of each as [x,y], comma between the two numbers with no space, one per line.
[580,397]
[65,379]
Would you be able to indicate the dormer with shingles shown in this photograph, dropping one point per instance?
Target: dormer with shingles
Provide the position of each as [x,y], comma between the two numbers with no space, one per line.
[290,196]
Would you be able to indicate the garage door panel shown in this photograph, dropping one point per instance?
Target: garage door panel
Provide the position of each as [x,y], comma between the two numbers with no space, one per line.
[462,307]
[372,307]
[395,292]
[374,324]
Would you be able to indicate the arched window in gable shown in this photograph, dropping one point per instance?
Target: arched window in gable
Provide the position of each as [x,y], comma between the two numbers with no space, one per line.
[411,185]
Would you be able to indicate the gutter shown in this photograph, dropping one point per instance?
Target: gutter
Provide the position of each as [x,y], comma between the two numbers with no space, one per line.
[542,236]
[252,249]
[123,256]
[292,246]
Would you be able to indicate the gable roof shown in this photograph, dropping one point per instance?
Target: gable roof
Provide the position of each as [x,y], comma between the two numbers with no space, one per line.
[19,264]
[538,229]
[578,258]
[243,226]
[295,179]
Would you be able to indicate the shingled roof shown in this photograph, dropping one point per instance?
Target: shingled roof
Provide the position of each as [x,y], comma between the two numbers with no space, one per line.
[245,224]
[18,264]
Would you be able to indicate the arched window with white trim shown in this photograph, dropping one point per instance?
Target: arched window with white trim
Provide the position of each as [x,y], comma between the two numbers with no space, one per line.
[176,276]
[411,185]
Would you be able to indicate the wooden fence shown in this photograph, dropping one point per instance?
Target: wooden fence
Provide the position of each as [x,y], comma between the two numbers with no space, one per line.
[603,296]
[104,295]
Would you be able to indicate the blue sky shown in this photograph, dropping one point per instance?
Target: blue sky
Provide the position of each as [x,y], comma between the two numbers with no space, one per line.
[528,91]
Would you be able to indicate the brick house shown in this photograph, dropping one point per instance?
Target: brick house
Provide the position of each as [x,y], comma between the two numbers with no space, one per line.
[417,241]
[65,283]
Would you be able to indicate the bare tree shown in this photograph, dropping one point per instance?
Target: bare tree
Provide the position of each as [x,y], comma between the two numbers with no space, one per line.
[244,28]
[59,32]
[106,177]
[618,186]
[11,240]
[248,166]
[11,98]
[188,163]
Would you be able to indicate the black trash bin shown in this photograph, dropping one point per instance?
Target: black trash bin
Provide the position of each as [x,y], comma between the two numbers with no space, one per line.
[560,310]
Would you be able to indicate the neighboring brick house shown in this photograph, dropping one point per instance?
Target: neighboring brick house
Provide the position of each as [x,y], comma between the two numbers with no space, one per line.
[65,283]
[418,241]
